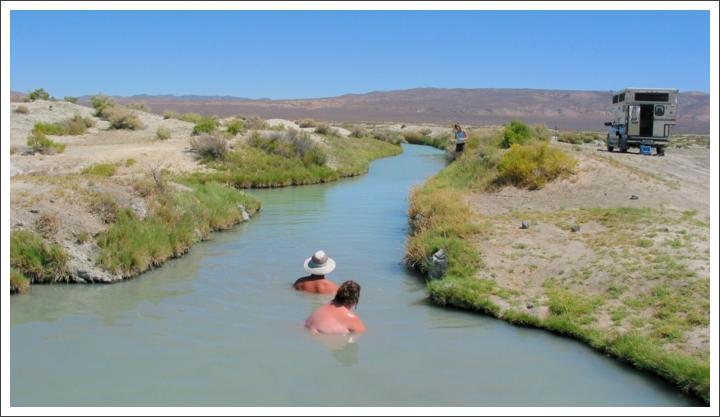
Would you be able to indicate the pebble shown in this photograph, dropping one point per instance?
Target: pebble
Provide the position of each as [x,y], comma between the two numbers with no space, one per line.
[634,197]
[525,224]
[575,228]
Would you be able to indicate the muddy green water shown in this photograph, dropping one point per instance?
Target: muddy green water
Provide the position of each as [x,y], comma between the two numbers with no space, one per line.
[221,326]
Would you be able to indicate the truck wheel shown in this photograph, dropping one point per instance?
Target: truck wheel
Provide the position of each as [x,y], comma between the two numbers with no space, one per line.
[660,150]
[623,149]
[610,148]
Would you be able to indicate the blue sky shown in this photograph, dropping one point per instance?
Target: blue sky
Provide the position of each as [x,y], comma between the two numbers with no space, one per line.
[321,53]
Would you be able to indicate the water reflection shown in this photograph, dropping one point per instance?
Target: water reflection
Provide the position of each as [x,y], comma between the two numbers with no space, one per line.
[345,348]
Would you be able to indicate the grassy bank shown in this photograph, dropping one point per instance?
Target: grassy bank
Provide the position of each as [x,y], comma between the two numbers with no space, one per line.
[176,217]
[179,219]
[263,164]
[648,309]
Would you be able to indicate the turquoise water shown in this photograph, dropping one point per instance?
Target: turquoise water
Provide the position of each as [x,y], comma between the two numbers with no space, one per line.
[221,326]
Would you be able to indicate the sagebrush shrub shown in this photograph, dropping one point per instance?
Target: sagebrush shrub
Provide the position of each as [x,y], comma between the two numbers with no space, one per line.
[210,146]
[162,133]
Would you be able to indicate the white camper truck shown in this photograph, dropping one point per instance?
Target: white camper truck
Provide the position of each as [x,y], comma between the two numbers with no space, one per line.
[642,116]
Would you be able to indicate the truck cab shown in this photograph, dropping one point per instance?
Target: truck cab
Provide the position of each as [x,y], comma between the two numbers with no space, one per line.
[642,116]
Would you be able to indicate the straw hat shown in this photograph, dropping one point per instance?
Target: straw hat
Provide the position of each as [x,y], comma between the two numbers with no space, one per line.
[319,263]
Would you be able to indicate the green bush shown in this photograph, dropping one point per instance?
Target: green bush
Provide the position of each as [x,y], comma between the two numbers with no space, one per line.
[138,106]
[57,129]
[192,117]
[205,125]
[357,132]
[122,118]
[387,136]
[169,114]
[210,146]
[290,144]
[76,125]
[516,133]
[39,94]
[101,104]
[235,127]
[322,129]
[255,123]
[33,258]
[162,133]
[308,123]
[577,138]
[71,99]
[101,170]
[423,138]
[533,165]
[38,142]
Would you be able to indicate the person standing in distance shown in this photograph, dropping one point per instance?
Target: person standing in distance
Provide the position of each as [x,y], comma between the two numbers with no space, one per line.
[460,137]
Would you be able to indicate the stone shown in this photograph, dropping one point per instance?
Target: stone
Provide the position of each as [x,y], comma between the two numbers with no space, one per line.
[529,306]
[244,213]
[634,197]
[575,228]
[525,224]
[34,211]
[438,264]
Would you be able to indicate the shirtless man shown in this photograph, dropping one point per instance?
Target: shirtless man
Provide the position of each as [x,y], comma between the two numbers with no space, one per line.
[317,265]
[337,316]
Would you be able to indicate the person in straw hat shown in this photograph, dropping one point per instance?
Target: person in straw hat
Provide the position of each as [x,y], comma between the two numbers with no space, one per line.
[337,317]
[318,266]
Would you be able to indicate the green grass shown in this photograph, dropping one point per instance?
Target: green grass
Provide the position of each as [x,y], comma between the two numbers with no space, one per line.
[277,163]
[36,260]
[131,245]
[250,167]
[101,170]
[418,138]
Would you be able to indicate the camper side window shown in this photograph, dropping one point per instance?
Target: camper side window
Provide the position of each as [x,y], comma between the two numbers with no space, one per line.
[659,110]
[621,97]
[615,99]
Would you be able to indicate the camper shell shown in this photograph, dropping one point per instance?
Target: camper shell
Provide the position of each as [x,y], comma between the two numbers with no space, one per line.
[642,116]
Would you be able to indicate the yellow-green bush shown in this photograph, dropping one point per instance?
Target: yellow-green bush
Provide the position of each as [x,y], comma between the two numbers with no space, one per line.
[533,165]
[38,142]
[163,133]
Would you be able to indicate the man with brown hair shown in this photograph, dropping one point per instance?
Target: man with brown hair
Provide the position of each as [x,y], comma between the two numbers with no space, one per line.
[337,317]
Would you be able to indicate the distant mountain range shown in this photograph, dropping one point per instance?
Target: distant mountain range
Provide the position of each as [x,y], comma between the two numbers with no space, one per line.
[565,109]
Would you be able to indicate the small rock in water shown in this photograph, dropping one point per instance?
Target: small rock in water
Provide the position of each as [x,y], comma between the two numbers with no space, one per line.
[634,197]
[575,228]
[525,224]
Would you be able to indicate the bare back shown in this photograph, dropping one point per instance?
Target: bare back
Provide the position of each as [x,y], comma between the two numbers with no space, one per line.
[316,285]
[332,319]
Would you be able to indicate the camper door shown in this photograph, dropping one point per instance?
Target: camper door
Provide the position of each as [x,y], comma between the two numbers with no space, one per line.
[633,120]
